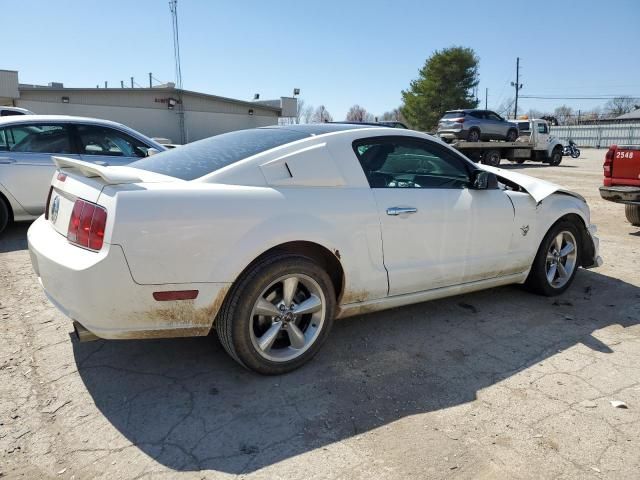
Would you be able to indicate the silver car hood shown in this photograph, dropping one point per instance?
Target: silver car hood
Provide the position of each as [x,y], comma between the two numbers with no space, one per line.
[538,189]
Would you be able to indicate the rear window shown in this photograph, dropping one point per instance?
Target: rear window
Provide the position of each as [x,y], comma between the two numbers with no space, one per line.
[197,159]
[453,115]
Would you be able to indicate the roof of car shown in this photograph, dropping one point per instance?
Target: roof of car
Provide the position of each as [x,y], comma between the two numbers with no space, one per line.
[55,118]
[322,128]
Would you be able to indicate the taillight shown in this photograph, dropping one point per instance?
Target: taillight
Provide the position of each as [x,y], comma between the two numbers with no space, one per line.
[458,120]
[87,224]
[608,160]
[61,176]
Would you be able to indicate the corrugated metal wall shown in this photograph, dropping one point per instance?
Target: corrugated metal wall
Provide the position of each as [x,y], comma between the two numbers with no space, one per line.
[599,136]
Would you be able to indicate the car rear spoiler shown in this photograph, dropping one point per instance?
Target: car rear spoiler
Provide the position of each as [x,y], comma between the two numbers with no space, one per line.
[111,175]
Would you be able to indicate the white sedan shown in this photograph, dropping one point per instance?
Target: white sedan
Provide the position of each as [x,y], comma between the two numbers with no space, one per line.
[267,235]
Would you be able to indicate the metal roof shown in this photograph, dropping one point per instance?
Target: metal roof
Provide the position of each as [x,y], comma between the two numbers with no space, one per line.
[634,115]
[174,91]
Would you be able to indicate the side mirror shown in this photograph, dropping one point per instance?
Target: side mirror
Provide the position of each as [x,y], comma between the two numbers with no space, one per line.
[483,180]
[152,151]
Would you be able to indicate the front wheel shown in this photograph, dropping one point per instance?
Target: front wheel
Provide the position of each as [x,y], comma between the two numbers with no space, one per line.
[278,314]
[556,262]
[632,212]
[575,153]
[556,157]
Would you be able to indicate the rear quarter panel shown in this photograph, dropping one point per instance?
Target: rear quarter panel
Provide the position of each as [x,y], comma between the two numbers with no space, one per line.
[210,233]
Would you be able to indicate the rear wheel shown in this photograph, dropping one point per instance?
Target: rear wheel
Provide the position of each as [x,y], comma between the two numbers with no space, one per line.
[4,215]
[491,157]
[278,314]
[556,262]
[556,157]
[633,214]
[512,135]
[473,135]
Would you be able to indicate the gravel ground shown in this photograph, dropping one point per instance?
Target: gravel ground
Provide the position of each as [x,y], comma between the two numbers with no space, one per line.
[496,384]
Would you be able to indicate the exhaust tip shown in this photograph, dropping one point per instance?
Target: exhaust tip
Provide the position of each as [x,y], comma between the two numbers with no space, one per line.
[82,334]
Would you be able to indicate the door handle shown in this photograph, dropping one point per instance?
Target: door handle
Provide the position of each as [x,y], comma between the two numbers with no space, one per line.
[400,210]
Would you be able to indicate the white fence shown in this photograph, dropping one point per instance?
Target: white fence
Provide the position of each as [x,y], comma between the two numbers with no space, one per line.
[599,136]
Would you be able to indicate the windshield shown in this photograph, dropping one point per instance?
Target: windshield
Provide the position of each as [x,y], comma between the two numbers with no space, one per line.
[198,159]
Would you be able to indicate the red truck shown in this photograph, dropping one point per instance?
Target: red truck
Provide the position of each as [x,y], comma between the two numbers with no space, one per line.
[622,179]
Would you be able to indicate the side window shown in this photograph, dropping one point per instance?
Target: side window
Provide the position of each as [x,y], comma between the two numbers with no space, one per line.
[479,115]
[3,141]
[98,140]
[494,116]
[9,113]
[406,163]
[542,128]
[38,138]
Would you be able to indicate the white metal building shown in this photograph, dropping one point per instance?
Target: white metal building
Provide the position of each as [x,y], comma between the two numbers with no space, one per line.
[154,112]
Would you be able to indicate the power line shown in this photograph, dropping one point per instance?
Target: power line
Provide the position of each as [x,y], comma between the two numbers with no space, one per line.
[568,97]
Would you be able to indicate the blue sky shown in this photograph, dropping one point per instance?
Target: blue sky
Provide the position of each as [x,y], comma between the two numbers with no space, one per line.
[337,52]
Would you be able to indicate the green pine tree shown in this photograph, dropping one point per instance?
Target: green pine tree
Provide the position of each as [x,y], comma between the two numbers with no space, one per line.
[446,82]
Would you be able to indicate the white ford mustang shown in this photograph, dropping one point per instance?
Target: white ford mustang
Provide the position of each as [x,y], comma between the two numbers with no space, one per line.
[267,235]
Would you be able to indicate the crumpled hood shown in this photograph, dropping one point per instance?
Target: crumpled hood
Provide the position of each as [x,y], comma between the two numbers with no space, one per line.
[538,189]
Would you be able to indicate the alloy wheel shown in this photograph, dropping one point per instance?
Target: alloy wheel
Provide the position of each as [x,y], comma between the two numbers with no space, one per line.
[561,259]
[287,317]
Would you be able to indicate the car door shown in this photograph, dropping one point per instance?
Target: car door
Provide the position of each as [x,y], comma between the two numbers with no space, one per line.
[496,125]
[26,167]
[436,232]
[108,146]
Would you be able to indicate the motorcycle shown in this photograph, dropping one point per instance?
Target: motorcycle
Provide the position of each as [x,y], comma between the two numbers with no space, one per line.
[571,150]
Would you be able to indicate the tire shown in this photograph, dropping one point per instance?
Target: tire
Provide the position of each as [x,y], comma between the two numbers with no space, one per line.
[473,135]
[4,215]
[512,135]
[576,153]
[632,213]
[242,330]
[520,160]
[491,157]
[545,280]
[556,157]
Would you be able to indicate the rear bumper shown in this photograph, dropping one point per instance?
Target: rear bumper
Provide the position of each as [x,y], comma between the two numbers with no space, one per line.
[621,194]
[453,134]
[96,290]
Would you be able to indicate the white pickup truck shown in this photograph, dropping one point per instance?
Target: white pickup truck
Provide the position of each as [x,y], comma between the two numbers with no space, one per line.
[534,143]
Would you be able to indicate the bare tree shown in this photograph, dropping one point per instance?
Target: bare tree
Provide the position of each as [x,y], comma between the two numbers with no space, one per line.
[358,114]
[300,110]
[564,114]
[394,115]
[321,115]
[505,107]
[307,114]
[620,105]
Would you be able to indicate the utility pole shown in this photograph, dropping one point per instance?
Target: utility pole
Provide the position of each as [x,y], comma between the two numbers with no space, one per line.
[173,8]
[486,99]
[150,80]
[517,86]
